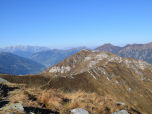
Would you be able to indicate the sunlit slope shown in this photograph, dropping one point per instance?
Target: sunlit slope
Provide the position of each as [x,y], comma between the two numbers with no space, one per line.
[125,78]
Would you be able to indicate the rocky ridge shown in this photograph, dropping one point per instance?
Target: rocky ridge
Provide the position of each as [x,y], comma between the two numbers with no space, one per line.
[125,78]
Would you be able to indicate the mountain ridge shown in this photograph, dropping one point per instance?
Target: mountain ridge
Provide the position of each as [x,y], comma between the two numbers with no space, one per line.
[136,51]
[125,78]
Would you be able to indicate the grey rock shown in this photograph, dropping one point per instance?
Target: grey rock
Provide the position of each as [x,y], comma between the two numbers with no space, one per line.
[16,107]
[121,103]
[3,81]
[79,111]
[121,112]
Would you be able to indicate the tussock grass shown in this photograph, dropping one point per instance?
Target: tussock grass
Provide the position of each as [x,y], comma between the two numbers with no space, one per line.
[92,102]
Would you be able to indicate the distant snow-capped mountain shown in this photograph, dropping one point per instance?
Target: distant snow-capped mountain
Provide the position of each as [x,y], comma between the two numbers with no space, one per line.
[23,51]
[24,48]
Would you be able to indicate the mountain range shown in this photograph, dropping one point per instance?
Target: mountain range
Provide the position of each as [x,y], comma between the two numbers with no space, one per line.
[136,51]
[13,64]
[126,79]
[23,51]
[48,58]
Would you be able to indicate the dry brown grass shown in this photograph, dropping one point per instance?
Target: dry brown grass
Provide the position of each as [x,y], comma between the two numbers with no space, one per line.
[59,101]
[94,103]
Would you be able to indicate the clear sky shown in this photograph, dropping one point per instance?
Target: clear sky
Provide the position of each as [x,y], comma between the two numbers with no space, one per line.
[70,23]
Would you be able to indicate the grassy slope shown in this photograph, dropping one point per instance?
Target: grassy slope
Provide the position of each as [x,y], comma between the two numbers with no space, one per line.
[45,101]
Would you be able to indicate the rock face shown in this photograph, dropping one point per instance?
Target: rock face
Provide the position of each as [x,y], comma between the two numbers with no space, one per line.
[127,79]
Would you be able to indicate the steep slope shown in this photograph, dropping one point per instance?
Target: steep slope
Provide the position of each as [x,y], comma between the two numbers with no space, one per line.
[13,64]
[127,79]
[110,48]
[49,58]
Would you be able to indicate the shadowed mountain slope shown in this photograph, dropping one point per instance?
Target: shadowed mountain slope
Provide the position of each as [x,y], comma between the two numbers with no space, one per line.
[13,64]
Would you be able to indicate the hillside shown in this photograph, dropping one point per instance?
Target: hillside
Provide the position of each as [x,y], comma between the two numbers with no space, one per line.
[127,79]
[136,51]
[13,64]
[49,58]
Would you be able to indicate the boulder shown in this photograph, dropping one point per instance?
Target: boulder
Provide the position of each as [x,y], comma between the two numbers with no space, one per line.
[79,111]
[16,107]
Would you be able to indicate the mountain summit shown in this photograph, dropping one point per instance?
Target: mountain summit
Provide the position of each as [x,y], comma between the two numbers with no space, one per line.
[110,48]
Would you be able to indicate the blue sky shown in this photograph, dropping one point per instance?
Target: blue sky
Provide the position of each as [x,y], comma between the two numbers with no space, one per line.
[72,23]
